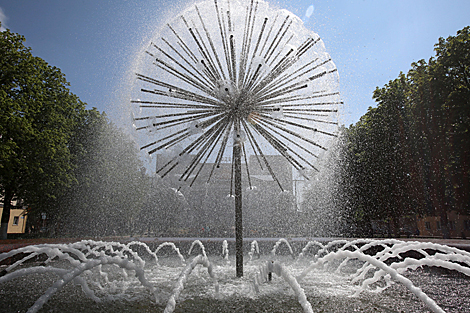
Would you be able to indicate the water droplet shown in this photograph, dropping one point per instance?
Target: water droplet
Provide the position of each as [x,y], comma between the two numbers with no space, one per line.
[151,124]
[309,11]
[278,112]
[239,137]
[195,128]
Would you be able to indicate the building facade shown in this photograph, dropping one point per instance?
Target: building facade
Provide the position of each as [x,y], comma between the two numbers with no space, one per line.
[17,223]
[459,225]
[210,199]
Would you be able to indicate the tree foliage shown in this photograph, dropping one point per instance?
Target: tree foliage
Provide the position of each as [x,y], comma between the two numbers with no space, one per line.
[110,184]
[410,154]
[324,209]
[64,160]
[37,117]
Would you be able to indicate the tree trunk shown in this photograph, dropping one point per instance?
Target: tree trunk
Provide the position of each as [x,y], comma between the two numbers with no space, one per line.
[396,226]
[6,213]
[444,224]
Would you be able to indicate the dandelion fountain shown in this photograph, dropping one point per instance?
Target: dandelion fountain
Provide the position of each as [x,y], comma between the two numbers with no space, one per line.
[241,70]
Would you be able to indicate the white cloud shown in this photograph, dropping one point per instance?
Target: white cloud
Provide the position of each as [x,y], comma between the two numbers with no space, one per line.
[3,19]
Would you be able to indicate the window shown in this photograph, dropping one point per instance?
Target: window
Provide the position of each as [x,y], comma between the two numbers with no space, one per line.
[16,220]
[467,224]
[451,225]
[427,225]
[438,224]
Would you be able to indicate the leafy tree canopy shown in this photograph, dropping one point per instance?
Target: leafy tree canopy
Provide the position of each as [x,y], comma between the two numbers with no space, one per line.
[110,184]
[410,155]
[37,116]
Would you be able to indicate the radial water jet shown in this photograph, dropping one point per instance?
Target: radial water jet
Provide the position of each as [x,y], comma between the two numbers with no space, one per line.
[113,275]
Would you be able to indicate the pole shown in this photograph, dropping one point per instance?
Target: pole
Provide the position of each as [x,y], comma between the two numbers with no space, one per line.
[238,209]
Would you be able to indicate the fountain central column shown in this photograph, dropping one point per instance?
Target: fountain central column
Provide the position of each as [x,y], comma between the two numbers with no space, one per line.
[237,159]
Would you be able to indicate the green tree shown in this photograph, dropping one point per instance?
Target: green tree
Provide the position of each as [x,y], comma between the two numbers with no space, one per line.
[110,185]
[163,212]
[324,209]
[37,116]
[380,159]
[361,168]
[441,128]
[394,175]
[452,67]
[410,154]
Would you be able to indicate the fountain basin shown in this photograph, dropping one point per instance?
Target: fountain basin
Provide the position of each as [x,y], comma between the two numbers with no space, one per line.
[331,288]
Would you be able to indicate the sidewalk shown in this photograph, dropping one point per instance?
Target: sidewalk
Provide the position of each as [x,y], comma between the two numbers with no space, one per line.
[462,244]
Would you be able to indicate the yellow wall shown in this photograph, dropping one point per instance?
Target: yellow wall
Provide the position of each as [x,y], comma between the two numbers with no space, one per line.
[16,229]
[458,229]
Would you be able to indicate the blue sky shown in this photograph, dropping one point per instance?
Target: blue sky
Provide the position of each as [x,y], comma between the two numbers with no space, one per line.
[95,42]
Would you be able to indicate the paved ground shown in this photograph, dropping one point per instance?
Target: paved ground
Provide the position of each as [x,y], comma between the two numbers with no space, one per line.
[10,244]
[463,244]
